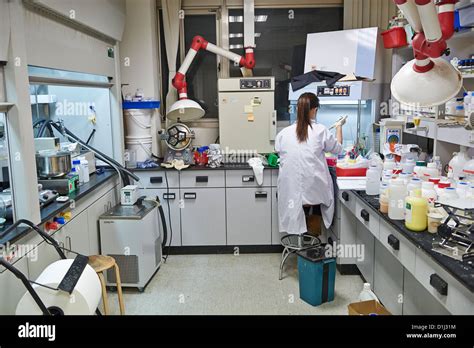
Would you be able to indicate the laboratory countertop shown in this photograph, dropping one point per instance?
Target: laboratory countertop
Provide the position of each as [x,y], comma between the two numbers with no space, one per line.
[424,240]
[51,210]
[194,168]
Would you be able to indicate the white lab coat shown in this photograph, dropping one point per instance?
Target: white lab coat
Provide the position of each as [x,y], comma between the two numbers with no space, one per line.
[304,177]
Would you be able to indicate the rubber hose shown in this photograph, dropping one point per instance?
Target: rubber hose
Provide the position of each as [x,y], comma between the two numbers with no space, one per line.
[165,229]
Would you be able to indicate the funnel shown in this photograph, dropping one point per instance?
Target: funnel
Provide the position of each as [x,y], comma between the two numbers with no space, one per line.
[434,87]
[185,110]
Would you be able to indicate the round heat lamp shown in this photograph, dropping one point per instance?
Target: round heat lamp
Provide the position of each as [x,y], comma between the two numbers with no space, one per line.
[185,110]
[432,88]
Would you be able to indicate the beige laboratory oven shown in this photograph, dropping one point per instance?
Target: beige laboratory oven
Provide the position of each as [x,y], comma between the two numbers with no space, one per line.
[247,116]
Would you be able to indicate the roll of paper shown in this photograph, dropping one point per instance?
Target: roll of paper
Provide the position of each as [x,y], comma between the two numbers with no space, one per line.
[83,301]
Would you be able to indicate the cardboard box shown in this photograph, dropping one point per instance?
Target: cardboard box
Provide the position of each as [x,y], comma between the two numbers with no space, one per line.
[367,308]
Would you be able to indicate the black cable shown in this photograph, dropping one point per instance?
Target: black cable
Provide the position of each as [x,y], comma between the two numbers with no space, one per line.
[125,173]
[169,217]
[163,223]
[90,136]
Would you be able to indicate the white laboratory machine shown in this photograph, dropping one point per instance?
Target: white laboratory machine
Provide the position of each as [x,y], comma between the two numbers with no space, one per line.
[131,235]
[129,195]
[247,116]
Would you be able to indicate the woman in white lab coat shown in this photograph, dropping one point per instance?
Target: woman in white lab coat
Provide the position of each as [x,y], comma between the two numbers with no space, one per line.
[304,180]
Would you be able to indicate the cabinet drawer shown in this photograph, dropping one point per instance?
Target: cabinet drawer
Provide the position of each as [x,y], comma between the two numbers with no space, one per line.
[398,246]
[448,291]
[368,217]
[275,173]
[348,199]
[202,178]
[246,178]
[157,179]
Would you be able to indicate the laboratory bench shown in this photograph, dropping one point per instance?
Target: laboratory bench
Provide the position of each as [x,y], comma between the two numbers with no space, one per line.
[405,273]
[221,208]
[53,209]
[31,254]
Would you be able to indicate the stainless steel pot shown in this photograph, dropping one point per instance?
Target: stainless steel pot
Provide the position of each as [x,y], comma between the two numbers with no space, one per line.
[53,164]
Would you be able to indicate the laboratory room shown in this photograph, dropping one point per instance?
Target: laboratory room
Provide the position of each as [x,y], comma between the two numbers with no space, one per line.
[301,158]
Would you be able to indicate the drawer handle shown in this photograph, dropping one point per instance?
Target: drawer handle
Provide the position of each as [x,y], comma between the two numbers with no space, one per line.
[439,284]
[261,194]
[190,196]
[169,196]
[202,179]
[364,214]
[393,242]
[345,196]
[156,180]
[248,178]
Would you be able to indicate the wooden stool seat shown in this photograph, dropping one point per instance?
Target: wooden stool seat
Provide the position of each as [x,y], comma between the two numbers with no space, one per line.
[100,264]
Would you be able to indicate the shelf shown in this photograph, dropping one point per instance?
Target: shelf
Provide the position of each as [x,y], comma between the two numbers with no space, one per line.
[468,76]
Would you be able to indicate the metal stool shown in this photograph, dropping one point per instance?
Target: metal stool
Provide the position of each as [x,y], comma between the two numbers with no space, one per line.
[293,243]
[101,264]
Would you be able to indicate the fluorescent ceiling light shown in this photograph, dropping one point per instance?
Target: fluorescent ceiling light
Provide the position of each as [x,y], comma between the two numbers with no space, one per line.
[238,35]
[240,19]
[234,47]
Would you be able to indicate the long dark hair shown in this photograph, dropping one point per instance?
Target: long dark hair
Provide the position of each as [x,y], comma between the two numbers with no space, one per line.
[306,103]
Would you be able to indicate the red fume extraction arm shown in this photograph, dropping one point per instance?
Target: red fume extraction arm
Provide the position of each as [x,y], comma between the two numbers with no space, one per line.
[428,80]
[199,43]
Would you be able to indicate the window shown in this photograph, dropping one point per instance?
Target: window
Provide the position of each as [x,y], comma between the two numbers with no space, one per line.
[202,74]
[280,37]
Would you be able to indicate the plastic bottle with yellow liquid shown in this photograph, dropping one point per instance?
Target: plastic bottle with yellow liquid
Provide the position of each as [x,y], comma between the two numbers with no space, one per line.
[416,212]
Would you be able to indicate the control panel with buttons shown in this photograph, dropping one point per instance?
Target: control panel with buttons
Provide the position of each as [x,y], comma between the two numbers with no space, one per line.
[255,83]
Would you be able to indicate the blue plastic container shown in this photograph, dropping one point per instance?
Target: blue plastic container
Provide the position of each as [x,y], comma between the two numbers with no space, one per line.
[317,276]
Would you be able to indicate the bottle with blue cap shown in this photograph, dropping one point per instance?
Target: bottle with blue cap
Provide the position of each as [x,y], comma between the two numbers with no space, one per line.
[78,170]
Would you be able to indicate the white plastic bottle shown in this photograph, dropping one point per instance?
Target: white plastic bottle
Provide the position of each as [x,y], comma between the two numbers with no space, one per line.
[462,189]
[389,164]
[414,184]
[408,166]
[431,171]
[428,192]
[373,181]
[439,165]
[456,165]
[397,195]
[77,165]
[419,169]
[367,294]
[85,170]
